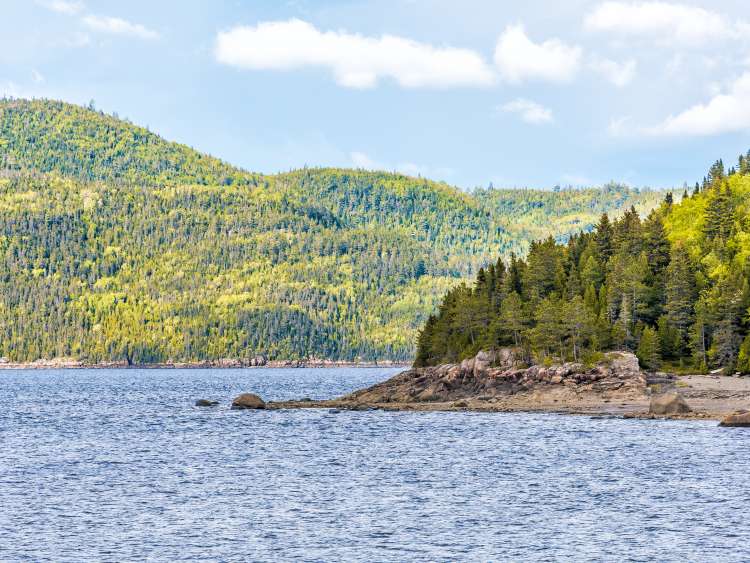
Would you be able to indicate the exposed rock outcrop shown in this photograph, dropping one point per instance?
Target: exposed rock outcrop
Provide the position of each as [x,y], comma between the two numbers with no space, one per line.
[502,374]
[669,403]
[248,401]
[501,382]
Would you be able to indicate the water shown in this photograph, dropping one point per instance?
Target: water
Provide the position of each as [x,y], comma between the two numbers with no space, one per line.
[117,465]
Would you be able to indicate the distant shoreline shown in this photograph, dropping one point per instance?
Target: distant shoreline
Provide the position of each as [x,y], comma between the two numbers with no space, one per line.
[218,364]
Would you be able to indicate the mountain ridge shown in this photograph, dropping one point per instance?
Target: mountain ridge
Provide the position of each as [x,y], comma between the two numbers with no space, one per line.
[124,246]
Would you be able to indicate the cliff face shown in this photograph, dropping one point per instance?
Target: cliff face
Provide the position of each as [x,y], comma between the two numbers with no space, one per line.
[500,380]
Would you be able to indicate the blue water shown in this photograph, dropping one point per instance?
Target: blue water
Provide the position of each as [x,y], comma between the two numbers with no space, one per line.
[118,465]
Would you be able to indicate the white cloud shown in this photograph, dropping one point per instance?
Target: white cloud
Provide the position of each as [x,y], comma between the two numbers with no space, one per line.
[724,113]
[118,26]
[519,58]
[619,74]
[666,22]
[619,126]
[37,76]
[69,7]
[529,111]
[356,61]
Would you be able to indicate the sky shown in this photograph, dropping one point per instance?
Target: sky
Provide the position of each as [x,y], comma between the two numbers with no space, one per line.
[516,94]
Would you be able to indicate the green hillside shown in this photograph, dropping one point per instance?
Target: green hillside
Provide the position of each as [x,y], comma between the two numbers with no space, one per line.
[116,244]
[674,288]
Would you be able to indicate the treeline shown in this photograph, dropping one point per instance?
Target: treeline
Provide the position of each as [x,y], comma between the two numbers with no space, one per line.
[672,287]
[118,245]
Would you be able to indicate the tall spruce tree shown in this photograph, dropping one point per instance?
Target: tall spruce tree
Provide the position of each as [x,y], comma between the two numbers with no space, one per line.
[681,294]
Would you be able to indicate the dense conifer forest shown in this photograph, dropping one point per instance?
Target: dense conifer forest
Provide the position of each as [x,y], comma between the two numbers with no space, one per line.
[672,287]
[118,245]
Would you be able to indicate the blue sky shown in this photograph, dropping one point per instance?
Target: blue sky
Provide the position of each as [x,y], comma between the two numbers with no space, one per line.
[518,94]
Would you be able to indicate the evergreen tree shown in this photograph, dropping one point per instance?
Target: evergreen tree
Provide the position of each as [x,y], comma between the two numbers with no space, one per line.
[716,173]
[681,294]
[512,317]
[604,237]
[719,216]
[648,349]
[743,358]
[578,325]
[549,333]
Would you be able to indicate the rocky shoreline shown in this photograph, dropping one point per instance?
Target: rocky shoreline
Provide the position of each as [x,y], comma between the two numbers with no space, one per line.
[500,382]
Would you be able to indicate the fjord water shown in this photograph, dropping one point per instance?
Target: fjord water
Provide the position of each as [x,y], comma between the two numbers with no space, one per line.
[115,465]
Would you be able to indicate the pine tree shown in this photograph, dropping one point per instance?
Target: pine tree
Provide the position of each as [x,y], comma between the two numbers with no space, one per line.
[743,358]
[573,286]
[699,337]
[656,244]
[591,274]
[716,172]
[628,237]
[604,237]
[719,216]
[670,341]
[578,324]
[681,294]
[648,349]
[549,333]
[514,276]
[512,317]
[425,344]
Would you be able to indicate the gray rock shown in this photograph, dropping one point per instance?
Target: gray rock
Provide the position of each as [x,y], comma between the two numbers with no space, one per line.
[482,361]
[669,403]
[740,419]
[624,364]
[206,403]
[467,366]
[248,401]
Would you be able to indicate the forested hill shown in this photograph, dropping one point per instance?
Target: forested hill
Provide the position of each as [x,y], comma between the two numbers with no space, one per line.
[69,140]
[673,287]
[118,245]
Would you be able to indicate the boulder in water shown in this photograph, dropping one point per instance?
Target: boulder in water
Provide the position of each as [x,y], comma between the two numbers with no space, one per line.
[740,419]
[669,403]
[248,401]
[206,403]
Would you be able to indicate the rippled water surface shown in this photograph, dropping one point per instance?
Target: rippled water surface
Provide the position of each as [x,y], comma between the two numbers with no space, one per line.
[118,465]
